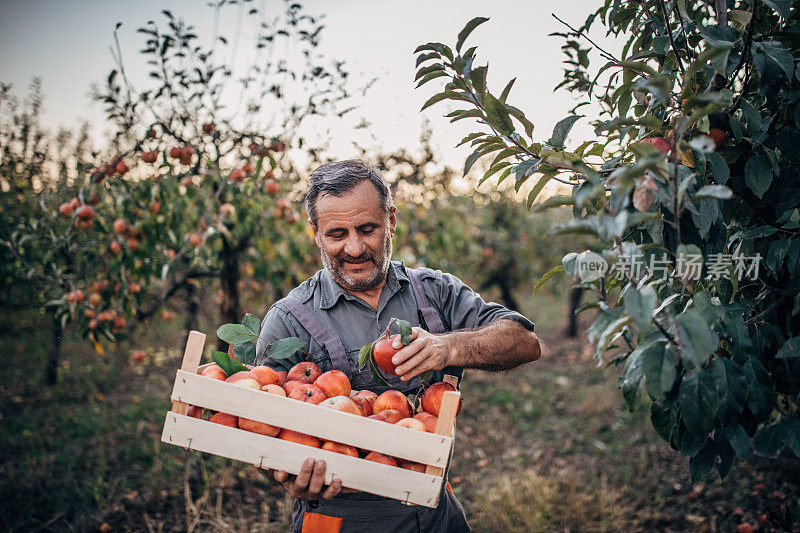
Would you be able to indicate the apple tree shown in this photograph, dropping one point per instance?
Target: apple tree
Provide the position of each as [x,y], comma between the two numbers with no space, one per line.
[219,176]
[691,187]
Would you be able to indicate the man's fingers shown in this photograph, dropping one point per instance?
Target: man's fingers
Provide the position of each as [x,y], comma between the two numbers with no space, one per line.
[304,476]
[419,358]
[317,478]
[280,476]
[333,489]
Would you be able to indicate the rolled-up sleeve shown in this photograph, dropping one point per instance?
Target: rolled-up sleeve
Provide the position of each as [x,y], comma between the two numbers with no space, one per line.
[462,307]
[275,326]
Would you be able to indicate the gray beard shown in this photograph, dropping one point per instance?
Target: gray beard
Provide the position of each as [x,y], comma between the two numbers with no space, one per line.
[381,262]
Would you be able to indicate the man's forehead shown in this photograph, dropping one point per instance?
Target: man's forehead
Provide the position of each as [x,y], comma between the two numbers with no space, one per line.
[362,198]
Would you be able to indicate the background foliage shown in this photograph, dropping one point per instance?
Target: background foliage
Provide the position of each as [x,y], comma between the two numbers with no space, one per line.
[696,155]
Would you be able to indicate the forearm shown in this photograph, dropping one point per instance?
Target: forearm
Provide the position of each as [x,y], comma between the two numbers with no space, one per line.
[501,345]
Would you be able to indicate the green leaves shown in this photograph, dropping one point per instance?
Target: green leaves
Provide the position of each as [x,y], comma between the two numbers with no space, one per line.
[471,25]
[758,174]
[366,356]
[497,115]
[236,333]
[769,54]
[697,341]
[228,365]
[699,402]
[285,348]
[561,130]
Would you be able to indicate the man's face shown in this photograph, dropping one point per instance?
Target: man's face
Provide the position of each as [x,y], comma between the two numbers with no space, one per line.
[355,237]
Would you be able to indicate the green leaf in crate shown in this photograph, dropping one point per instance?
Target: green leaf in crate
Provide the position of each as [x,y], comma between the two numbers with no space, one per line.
[283,348]
[245,352]
[236,333]
[226,363]
[252,323]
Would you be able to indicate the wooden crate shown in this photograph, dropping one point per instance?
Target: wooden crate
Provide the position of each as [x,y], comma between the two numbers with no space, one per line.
[431,449]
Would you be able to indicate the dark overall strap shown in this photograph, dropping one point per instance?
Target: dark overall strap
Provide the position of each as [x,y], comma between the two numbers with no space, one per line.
[433,321]
[429,313]
[333,345]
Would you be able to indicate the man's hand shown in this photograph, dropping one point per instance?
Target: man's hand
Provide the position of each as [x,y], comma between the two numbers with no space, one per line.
[309,482]
[424,352]
[501,345]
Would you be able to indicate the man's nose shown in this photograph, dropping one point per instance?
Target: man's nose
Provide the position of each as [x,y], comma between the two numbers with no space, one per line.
[354,247]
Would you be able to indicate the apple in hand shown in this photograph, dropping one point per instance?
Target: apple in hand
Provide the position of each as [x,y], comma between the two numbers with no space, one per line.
[334,383]
[432,399]
[309,393]
[383,351]
[392,399]
[305,372]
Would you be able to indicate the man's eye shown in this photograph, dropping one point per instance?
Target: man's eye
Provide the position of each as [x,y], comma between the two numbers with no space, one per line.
[368,230]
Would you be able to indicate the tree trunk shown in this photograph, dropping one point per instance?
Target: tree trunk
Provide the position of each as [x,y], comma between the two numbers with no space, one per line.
[230,311]
[572,319]
[51,372]
[191,310]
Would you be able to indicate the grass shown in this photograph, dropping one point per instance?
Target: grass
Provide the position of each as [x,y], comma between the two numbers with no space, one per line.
[549,446]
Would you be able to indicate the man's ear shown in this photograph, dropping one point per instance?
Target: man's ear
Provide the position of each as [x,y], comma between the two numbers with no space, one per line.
[314,230]
[392,220]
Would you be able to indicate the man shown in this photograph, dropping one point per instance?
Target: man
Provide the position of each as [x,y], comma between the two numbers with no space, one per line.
[349,303]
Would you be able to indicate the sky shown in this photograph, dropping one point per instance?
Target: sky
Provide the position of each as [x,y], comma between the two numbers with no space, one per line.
[67,44]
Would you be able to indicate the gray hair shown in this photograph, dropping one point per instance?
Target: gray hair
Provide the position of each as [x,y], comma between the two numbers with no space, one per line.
[340,177]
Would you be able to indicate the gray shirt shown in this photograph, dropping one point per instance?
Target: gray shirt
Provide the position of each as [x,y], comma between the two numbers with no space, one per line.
[356,323]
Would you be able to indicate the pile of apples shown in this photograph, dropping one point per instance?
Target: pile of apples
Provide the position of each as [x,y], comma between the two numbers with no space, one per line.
[306,382]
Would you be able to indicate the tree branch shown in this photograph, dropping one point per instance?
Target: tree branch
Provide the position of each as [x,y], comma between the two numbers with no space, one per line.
[669,32]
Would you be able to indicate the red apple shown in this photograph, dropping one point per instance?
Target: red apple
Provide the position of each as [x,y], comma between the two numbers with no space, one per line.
[364,399]
[299,438]
[340,448]
[225,419]
[429,420]
[245,378]
[343,404]
[411,465]
[392,399]
[214,372]
[661,144]
[432,399]
[383,352]
[305,372]
[380,458]
[195,412]
[260,427]
[334,383]
[289,386]
[282,374]
[392,416]
[309,393]
[274,389]
[379,416]
[266,375]
[411,423]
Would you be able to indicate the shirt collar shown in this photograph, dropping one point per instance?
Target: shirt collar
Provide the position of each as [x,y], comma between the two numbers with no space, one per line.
[332,291]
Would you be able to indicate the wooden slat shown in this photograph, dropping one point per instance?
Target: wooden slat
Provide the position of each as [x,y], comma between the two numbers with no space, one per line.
[328,424]
[191,360]
[452,380]
[446,423]
[267,452]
